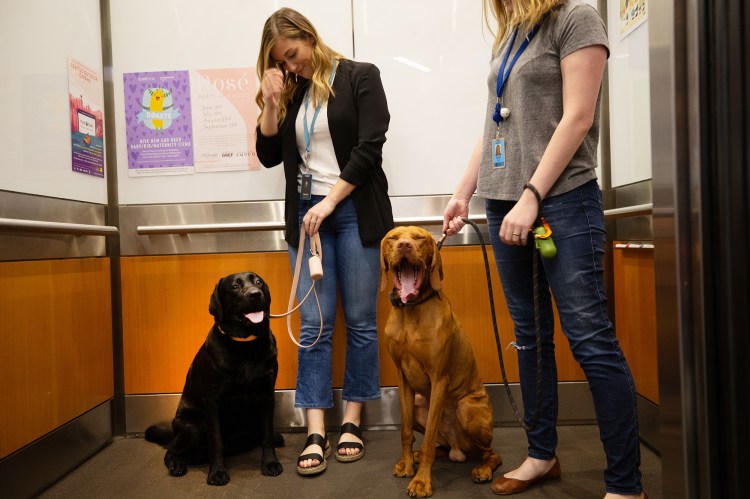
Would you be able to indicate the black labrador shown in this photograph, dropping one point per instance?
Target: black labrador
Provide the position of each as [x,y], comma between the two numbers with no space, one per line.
[227,403]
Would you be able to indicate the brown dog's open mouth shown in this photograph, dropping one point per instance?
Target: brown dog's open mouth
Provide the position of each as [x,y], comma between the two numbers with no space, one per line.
[408,280]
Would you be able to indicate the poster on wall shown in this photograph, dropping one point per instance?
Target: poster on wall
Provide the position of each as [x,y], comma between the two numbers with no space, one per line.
[224,119]
[86,98]
[633,13]
[158,123]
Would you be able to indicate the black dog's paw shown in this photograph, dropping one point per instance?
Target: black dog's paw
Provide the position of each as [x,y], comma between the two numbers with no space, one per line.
[271,468]
[218,476]
[278,440]
[175,464]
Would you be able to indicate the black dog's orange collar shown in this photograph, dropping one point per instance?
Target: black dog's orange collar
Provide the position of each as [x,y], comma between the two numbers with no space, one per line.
[249,338]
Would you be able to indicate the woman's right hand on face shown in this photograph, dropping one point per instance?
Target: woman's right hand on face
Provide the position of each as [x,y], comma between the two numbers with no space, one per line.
[271,86]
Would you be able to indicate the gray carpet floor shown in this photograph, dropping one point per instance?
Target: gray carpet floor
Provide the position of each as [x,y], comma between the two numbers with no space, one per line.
[133,468]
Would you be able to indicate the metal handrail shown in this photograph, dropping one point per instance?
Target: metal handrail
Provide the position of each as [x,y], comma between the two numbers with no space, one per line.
[147,230]
[20,225]
[433,220]
[630,211]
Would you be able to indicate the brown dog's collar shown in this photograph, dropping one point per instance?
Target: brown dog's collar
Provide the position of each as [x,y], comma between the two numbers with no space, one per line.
[399,304]
[249,338]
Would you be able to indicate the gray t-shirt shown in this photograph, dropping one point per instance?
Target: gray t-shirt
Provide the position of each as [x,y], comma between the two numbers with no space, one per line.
[533,95]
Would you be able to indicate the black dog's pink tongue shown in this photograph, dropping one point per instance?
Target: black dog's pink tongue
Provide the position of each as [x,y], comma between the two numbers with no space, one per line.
[255,317]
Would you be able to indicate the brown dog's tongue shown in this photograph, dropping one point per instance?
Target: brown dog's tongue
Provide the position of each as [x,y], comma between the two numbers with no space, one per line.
[255,317]
[409,283]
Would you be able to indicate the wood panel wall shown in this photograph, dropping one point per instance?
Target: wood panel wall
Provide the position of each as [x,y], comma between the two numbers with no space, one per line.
[55,345]
[165,317]
[635,316]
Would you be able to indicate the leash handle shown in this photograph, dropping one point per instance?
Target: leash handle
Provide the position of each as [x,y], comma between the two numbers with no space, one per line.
[316,273]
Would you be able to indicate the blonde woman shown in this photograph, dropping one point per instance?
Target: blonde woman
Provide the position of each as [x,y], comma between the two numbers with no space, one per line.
[543,111]
[325,118]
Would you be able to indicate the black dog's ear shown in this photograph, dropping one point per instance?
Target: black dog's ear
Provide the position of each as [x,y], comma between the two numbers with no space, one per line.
[214,305]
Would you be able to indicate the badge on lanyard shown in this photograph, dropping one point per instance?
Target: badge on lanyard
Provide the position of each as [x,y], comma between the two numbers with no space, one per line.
[306,188]
[501,113]
[498,154]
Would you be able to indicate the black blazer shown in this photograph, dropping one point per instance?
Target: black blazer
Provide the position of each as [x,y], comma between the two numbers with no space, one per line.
[358,119]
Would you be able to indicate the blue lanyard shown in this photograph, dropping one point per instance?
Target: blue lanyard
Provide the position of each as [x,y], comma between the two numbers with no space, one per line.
[308,132]
[502,75]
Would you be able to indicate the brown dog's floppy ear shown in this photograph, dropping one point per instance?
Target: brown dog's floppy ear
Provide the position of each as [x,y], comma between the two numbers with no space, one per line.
[214,305]
[436,268]
[383,264]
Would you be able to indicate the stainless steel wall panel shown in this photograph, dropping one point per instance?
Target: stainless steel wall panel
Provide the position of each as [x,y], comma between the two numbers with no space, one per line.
[16,244]
[132,243]
[35,467]
[637,228]
[576,407]
[672,34]
[227,238]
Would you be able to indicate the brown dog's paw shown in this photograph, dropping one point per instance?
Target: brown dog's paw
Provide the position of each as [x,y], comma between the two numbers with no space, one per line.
[403,469]
[217,476]
[481,474]
[490,462]
[419,488]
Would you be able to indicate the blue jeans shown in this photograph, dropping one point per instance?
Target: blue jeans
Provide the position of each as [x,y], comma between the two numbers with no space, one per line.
[575,278]
[355,270]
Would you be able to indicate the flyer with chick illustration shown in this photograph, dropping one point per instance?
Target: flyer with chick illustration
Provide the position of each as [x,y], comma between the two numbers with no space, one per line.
[158,123]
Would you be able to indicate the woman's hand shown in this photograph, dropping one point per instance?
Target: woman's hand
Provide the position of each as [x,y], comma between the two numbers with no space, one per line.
[454,211]
[314,217]
[519,220]
[271,86]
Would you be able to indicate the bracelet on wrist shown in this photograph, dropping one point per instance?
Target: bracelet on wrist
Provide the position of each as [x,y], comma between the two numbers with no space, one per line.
[533,189]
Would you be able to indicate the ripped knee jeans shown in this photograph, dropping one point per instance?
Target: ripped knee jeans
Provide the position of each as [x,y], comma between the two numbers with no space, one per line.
[575,279]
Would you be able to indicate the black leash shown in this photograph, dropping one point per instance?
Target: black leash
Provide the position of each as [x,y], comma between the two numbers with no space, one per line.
[537,324]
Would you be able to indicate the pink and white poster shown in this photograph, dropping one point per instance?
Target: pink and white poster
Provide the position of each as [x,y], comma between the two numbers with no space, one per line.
[86,98]
[224,119]
[158,123]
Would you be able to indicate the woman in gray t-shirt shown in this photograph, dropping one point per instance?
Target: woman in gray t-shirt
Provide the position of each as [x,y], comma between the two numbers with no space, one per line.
[537,158]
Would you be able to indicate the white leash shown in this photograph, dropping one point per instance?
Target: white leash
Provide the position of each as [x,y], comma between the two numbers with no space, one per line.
[316,273]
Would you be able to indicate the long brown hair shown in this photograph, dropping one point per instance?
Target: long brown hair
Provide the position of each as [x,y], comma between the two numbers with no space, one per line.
[289,24]
[524,14]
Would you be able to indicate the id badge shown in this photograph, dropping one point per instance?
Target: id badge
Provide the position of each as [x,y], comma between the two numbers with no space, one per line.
[498,154]
[306,189]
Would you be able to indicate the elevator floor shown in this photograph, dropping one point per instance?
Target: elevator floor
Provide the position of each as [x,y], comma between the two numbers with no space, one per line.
[133,468]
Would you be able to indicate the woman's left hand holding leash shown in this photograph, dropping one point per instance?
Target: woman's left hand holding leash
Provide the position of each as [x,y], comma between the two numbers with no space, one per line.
[314,217]
[516,224]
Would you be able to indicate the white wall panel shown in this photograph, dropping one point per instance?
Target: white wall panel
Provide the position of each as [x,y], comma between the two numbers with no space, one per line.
[36,39]
[434,61]
[198,34]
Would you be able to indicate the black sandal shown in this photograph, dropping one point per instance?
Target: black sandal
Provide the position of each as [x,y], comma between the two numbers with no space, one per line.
[314,439]
[357,432]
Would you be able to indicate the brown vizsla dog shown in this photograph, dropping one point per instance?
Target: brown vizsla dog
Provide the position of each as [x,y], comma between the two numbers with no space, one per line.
[439,385]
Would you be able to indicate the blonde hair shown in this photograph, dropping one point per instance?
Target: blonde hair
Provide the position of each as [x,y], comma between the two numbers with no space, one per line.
[524,14]
[291,25]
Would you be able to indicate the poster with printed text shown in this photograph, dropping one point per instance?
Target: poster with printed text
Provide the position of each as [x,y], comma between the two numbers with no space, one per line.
[86,98]
[158,123]
[633,13]
[224,119]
